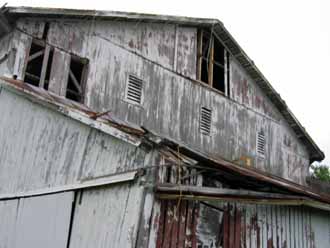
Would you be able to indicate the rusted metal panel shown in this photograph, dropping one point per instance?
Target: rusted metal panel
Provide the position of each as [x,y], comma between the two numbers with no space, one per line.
[226,223]
[262,226]
[107,217]
[177,224]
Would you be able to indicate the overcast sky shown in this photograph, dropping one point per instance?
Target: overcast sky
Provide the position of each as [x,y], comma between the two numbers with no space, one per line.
[289,41]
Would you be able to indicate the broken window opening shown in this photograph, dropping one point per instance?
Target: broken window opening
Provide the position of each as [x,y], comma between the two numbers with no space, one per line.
[213,62]
[218,66]
[39,65]
[34,63]
[76,79]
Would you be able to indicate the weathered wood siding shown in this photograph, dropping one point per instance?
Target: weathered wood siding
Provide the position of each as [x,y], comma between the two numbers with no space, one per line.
[37,222]
[289,152]
[171,103]
[41,148]
[107,217]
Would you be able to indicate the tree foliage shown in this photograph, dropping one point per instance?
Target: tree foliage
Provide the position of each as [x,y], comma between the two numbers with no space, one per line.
[321,172]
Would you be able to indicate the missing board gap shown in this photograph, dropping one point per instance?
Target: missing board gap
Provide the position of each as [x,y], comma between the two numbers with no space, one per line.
[261,144]
[34,64]
[76,79]
[134,88]
[205,121]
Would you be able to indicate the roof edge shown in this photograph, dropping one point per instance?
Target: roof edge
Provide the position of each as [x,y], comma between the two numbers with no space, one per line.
[107,14]
[316,154]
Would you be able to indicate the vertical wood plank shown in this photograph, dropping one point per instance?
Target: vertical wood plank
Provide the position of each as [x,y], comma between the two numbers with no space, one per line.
[199,55]
[210,61]
[44,67]
[59,73]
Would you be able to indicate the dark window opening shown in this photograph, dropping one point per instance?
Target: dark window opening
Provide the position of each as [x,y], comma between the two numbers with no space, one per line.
[76,77]
[34,65]
[213,62]
[219,66]
[228,73]
[205,71]
[205,49]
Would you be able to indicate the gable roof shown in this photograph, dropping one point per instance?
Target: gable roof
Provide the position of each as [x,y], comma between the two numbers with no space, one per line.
[219,31]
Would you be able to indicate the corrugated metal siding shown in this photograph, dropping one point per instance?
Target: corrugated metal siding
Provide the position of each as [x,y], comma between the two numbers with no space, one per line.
[263,226]
[230,225]
[321,228]
[36,222]
[107,217]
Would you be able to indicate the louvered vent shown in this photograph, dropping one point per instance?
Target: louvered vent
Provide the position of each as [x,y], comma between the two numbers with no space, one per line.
[205,121]
[261,143]
[134,89]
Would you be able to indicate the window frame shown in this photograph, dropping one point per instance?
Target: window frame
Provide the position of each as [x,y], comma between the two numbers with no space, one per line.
[211,63]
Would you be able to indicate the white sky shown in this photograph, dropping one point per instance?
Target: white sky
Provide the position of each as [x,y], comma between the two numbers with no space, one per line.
[289,41]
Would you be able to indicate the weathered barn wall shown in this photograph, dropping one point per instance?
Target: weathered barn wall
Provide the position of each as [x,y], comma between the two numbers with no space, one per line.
[171,103]
[107,217]
[36,222]
[293,155]
[42,148]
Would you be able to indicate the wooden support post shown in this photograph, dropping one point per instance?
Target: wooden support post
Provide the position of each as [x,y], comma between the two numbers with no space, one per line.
[44,67]
[199,55]
[210,62]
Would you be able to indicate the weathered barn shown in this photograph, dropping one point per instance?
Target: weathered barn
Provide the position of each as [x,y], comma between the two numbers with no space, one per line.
[134,130]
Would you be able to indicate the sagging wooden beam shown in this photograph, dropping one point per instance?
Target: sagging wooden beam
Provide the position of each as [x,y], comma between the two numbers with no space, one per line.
[83,184]
[75,82]
[209,191]
[36,55]
[186,192]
